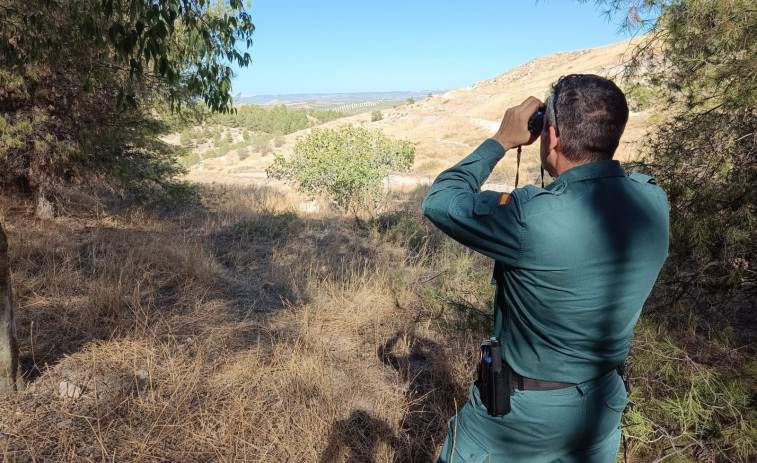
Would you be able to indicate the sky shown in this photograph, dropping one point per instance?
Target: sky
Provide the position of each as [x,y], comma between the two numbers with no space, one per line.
[350,46]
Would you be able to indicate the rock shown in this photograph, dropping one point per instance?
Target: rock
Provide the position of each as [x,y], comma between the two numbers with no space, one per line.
[45,209]
[65,423]
[70,390]
[309,206]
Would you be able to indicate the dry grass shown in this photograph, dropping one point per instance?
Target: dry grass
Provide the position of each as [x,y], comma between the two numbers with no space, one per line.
[243,331]
[247,331]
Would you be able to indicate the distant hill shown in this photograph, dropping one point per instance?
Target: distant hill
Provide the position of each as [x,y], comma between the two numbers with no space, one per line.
[449,125]
[270,100]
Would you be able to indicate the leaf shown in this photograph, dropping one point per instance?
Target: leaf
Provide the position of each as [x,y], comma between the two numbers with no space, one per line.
[163,66]
[108,8]
[120,98]
[160,29]
[131,101]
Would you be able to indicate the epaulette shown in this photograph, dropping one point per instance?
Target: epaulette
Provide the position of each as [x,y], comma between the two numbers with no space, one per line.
[529,192]
[642,178]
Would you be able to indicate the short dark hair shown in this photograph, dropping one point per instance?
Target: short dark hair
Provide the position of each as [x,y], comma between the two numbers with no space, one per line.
[590,114]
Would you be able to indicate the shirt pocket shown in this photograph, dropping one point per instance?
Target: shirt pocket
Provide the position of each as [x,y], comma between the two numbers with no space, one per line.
[486,203]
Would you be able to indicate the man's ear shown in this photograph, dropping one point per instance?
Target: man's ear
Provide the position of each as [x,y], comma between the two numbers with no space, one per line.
[555,144]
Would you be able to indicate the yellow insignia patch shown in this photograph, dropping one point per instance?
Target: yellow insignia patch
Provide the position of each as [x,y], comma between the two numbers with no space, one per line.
[504,198]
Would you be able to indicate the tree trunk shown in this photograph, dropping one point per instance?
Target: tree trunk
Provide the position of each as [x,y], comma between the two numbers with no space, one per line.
[10,381]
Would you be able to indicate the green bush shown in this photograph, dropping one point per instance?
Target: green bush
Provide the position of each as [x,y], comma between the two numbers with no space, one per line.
[190,159]
[642,96]
[376,116]
[260,142]
[186,138]
[683,407]
[348,164]
[85,85]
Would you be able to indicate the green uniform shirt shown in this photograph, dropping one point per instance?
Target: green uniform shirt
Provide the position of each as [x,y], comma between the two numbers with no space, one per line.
[580,258]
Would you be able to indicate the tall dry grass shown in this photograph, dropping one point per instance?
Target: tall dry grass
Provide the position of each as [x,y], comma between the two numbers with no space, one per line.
[241,331]
[246,331]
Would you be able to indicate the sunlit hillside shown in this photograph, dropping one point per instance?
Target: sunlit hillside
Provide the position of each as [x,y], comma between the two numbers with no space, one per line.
[447,126]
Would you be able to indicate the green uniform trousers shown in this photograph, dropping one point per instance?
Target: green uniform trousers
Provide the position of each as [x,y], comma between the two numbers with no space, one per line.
[575,424]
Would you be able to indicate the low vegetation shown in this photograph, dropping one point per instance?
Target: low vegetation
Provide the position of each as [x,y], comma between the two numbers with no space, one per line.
[250,129]
[247,331]
[347,164]
[276,120]
[241,331]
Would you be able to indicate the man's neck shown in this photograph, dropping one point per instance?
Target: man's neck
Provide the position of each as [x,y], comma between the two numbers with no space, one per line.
[563,164]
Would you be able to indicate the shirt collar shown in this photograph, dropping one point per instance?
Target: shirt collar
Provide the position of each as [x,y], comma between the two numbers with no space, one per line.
[591,170]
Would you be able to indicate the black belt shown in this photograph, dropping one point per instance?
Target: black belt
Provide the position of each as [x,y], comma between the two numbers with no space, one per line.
[530,384]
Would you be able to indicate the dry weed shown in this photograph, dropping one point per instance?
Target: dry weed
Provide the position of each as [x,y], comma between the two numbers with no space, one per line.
[242,332]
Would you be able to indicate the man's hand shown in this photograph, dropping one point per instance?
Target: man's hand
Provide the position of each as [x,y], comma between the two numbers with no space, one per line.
[514,128]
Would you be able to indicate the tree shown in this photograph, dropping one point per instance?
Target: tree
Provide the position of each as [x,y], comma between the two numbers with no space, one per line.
[376,115]
[81,84]
[82,87]
[348,164]
[10,380]
[699,61]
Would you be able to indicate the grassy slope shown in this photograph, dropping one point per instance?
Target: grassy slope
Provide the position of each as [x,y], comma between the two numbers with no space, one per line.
[243,332]
[246,331]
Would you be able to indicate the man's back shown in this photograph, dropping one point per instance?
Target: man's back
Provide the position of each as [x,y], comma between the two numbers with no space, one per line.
[591,247]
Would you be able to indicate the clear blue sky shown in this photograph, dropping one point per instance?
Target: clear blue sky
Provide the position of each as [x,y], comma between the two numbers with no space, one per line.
[332,46]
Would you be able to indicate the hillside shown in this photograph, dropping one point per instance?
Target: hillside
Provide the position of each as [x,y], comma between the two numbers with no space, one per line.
[448,126]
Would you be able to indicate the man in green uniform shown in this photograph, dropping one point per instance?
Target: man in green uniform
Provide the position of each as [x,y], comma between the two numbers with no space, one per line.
[576,262]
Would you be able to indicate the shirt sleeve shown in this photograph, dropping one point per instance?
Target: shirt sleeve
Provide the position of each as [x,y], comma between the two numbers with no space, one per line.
[486,221]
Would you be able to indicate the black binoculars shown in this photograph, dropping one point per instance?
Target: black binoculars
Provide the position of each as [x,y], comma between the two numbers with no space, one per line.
[536,121]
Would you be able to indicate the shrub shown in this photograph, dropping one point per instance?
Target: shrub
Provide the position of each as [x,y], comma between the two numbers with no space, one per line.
[347,163]
[186,138]
[641,96]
